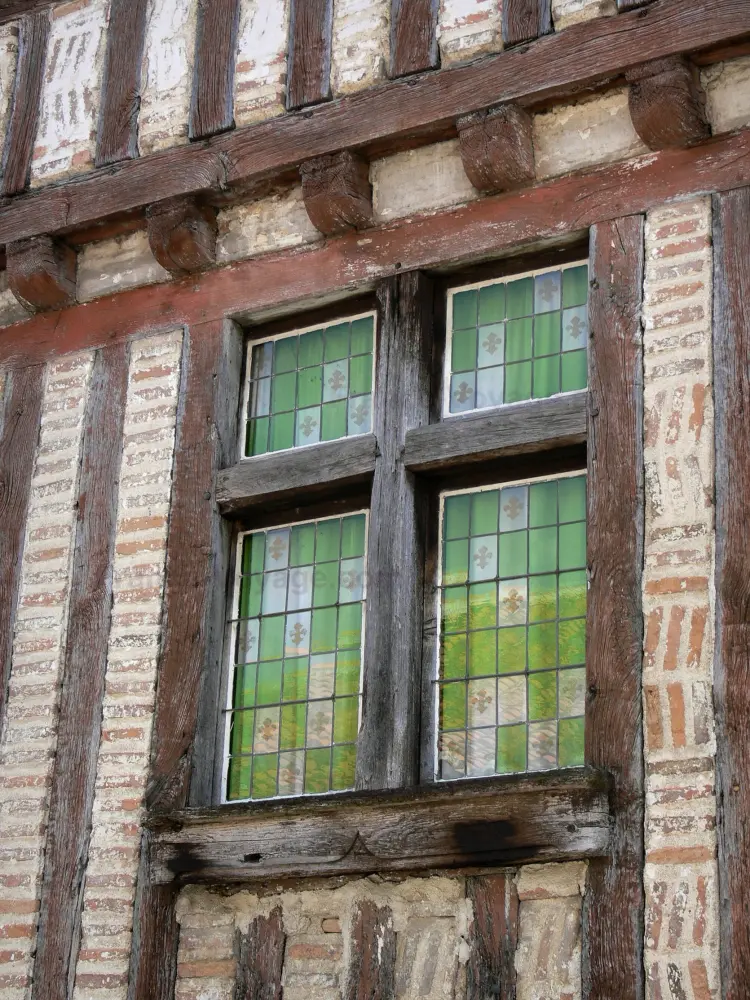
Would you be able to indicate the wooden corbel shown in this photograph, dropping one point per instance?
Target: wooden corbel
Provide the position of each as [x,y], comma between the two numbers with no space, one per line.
[182,234]
[42,273]
[497,150]
[337,192]
[667,103]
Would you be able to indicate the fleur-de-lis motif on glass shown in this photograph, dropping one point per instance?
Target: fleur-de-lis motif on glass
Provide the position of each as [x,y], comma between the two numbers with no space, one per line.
[298,633]
[360,413]
[576,327]
[277,548]
[319,724]
[513,508]
[463,392]
[483,557]
[337,380]
[492,343]
[351,580]
[268,728]
[481,700]
[513,601]
[548,289]
[308,425]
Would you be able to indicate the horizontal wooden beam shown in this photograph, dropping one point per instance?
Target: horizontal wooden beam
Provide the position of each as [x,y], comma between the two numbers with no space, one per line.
[459,824]
[397,114]
[12,9]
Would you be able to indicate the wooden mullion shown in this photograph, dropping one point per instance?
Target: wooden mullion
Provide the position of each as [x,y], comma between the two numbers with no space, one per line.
[614,901]
[310,42]
[117,137]
[525,20]
[212,107]
[27,96]
[414,45]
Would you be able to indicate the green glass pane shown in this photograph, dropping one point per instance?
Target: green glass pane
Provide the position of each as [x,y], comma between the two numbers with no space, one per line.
[282,431]
[244,686]
[264,776]
[362,335]
[482,648]
[482,605]
[572,642]
[518,339]
[302,545]
[256,442]
[345,720]
[574,375]
[452,706]
[241,740]
[453,656]
[511,749]
[353,536]
[542,598]
[250,594]
[350,626]
[360,375]
[323,638]
[326,587]
[546,376]
[517,382]
[464,350]
[283,392]
[543,695]
[572,545]
[465,309]
[334,420]
[457,510]
[542,646]
[285,355]
[269,682]
[572,493]
[272,638]
[454,609]
[317,770]
[542,550]
[491,304]
[238,785]
[547,329]
[520,297]
[328,534]
[575,286]
[511,650]
[542,504]
[336,342]
[348,670]
[484,512]
[456,562]
[309,387]
[572,589]
[253,551]
[310,349]
[344,765]
[295,678]
[293,721]
[511,559]
[570,742]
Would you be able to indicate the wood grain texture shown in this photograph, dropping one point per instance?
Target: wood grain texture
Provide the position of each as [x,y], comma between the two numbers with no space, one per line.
[182,235]
[614,903]
[525,20]
[500,820]
[491,969]
[117,137]
[310,40]
[496,147]
[260,959]
[156,934]
[19,433]
[27,94]
[79,721]
[337,192]
[414,45]
[212,106]
[372,969]
[42,273]
[393,116]
[388,748]
[732,656]
[667,103]
[625,5]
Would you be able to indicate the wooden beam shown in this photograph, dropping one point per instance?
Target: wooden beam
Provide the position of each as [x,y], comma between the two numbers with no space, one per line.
[318,470]
[614,900]
[525,20]
[414,45]
[625,5]
[498,433]
[42,273]
[460,824]
[496,147]
[491,969]
[667,103]
[494,226]
[732,656]
[11,10]
[372,967]
[212,106]
[117,137]
[337,192]
[79,721]
[393,116]
[310,41]
[260,958]
[182,235]
[27,97]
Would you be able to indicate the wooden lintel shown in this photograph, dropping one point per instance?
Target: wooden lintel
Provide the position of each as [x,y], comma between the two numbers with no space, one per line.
[667,103]
[182,235]
[460,824]
[42,273]
[496,146]
[337,192]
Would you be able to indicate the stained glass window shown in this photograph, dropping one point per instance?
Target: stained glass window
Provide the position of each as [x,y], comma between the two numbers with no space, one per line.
[511,679]
[310,386]
[516,339]
[294,704]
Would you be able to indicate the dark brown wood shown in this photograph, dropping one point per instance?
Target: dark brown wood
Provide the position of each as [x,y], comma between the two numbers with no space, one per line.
[182,235]
[260,959]
[79,721]
[337,192]
[667,103]
[316,471]
[212,108]
[310,40]
[489,434]
[732,657]
[491,969]
[27,95]
[21,409]
[525,20]
[42,273]
[372,967]
[156,934]
[381,119]
[461,824]
[614,902]
[496,146]
[414,44]
[625,5]
[117,138]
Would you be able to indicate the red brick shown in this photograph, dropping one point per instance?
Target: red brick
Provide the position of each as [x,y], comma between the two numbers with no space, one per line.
[699,979]
[158,371]
[206,970]
[130,524]
[654,728]
[674,634]
[145,545]
[695,639]
[677,713]
[677,229]
[679,855]
[677,585]
[683,247]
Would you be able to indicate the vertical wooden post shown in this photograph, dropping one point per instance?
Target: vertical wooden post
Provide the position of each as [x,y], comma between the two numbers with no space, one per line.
[310,40]
[27,96]
[212,107]
[525,20]
[491,969]
[117,138]
[372,972]
[260,959]
[414,44]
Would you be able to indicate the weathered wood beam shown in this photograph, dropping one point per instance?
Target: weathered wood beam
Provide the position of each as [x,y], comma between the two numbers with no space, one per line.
[525,20]
[11,10]
[309,61]
[182,235]
[260,958]
[667,103]
[212,106]
[377,120]
[42,273]
[625,5]
[614,900]
[414,45]
[27,95]
[491,969]
[496,147]
[372,967]
[337,192]
[117,137]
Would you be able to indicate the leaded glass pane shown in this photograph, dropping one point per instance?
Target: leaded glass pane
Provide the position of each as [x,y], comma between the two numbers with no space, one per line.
[294,707]
[517,339]
[511,678]
[310,386]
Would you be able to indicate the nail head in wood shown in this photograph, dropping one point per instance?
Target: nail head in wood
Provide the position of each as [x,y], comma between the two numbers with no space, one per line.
[42,273]
[496,146]
[667,103]
[337,192]
[182,235]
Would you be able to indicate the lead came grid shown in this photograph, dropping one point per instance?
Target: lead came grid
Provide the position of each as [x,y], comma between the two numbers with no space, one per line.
[311,386]
[519,339]
[513,628]
[294,711]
